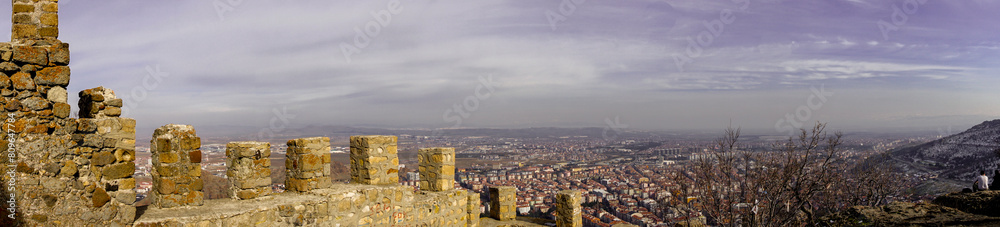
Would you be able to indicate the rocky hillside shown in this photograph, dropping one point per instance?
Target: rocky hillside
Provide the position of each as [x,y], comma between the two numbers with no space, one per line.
[954,159]
[956,209]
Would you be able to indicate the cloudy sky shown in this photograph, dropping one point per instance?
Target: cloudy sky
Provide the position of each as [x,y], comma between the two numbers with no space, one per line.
[761,64]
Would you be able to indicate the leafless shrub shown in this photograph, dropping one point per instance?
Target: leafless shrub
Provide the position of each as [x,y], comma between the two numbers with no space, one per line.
[792,185]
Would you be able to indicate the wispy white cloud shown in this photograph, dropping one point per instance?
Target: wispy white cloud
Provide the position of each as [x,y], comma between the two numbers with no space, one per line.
[268,54]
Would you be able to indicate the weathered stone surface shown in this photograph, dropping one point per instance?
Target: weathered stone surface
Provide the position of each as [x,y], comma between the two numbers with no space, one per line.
[57,94]
[52,183]
[59,54]
[4,80]
[126,197]
[244,160]
[177,179]
[49,32]
[126,184]
[166,186]
[12,104]
[69,169]
[169,157]
[372,162]
[86,125]
[437,168]
[114,102]
[196,185]
[51,169]
[50,19]
[568,210]
[30,55]
[503,203]
[124,155]
[195,156]
[472,210]
[23,8]
[113,111]
[100,197]
[9,67]
[304,164]
[24,31]
[22,81]
[50,200]
[94,103]
[119,170]
[61,110]
[53,76]
[102,158]
[36,103]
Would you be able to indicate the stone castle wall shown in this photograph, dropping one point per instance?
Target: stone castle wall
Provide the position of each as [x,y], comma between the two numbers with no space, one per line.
[311,199]
[65,171]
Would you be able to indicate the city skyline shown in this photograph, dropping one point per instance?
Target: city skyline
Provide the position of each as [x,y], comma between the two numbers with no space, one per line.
[645,65]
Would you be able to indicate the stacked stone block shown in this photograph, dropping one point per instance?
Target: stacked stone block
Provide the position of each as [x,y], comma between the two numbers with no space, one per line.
[472,210]
[35,19]
[33,80]
[568,210]
[248,169]
[374,160]
[69,172]
[437,168]
[109,142]
[307,165]
[176,167]
[503,203]
[99,103]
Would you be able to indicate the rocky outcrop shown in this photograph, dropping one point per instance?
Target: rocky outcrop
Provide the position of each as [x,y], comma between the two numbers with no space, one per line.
[970,209]
[982,203]
[906,214]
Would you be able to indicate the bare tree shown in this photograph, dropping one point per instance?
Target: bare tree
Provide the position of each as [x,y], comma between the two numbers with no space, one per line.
[784,187]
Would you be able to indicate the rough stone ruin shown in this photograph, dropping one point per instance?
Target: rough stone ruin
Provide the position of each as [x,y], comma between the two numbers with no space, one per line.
[176,167]
[437,168]
[63,171]
[248,167]
[308,164]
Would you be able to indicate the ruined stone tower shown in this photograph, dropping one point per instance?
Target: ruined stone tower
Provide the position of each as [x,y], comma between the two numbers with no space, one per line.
[61,170]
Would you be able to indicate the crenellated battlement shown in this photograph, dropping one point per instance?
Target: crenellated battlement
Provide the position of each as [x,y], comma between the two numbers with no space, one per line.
[65,171]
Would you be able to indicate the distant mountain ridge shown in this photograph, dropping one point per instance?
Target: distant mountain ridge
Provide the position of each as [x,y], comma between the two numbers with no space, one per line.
[957,158]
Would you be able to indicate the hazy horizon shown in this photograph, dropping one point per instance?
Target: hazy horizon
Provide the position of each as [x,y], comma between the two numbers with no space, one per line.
[641,65]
